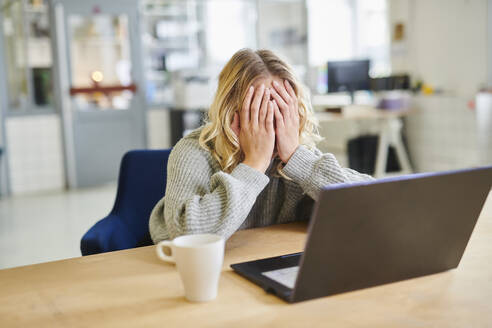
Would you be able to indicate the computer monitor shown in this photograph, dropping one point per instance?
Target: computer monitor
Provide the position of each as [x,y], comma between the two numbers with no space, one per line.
[348,76]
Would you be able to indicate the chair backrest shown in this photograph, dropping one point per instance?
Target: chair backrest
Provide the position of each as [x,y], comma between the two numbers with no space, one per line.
[141,184]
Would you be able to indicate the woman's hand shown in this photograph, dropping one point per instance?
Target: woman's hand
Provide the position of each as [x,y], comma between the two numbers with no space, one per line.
[286,109]
[256,131]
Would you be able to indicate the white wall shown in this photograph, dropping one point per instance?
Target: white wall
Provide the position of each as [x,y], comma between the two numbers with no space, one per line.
[3,162]
[446,44]
[35,153]
[442,134]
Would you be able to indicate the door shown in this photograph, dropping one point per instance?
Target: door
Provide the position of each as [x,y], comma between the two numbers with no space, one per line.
[98,86]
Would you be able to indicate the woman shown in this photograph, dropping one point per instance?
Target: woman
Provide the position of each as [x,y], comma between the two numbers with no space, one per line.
[254,163]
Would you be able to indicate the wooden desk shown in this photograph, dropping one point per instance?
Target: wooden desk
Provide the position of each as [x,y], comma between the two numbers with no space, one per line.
[134,289]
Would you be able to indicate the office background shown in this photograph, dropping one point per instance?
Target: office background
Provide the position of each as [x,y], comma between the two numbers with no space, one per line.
[151,66]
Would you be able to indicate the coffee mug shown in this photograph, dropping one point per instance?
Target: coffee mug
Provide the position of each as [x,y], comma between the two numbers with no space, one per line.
[199,261]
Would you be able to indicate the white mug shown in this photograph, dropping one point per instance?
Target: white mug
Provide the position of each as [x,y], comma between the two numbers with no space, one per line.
[199,261]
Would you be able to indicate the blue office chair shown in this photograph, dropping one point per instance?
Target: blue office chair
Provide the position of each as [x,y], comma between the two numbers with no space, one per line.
[141,184]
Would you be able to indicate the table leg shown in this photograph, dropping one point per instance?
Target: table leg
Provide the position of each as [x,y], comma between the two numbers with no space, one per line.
[382,152]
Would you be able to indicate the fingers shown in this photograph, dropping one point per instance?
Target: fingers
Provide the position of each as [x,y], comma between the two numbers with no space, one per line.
[269,118]
[279,119]
[292,93]
[282,92]
[255,105]
[264,106]
[290,90]
[246,105]
[280,103]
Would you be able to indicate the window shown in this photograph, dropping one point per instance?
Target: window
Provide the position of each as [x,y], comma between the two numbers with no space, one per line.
[348,29]
[372,35]
[230,26]
[28,55]
[100,57]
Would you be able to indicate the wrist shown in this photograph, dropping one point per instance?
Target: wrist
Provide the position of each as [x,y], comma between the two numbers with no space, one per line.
[288,156]
[257,165]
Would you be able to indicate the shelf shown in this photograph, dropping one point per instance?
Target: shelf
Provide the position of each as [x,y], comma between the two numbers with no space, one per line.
[176,11]
[180,41]
[156,78]
[161,106]
[166,15]
[170,48]
[100,41]
[41,9]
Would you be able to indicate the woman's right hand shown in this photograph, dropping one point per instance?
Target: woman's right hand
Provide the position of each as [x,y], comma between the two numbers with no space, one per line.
[257,133]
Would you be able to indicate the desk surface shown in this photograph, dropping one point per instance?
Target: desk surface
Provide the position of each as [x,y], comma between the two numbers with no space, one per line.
[133,288]
[361,113]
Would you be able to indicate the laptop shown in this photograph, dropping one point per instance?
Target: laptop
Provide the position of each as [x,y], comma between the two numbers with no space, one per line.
[377,232]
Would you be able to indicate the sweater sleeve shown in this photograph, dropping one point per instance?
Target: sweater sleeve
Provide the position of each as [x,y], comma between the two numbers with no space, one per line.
[313,170]
[200,201]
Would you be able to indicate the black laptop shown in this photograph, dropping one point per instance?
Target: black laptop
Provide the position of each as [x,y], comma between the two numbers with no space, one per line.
[372,233]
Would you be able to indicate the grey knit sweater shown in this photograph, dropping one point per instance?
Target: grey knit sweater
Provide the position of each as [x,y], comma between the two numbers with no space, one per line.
[201,198]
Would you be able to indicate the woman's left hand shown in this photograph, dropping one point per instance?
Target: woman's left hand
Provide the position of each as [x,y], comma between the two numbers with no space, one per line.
[286,109]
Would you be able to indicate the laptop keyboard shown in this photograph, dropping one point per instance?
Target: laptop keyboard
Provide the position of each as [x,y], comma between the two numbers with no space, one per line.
[285,276]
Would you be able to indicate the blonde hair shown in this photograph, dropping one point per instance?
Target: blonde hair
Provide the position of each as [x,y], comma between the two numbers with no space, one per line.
[243,69]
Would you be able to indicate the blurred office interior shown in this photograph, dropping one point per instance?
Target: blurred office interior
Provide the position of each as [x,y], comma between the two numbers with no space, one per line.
[400,86]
